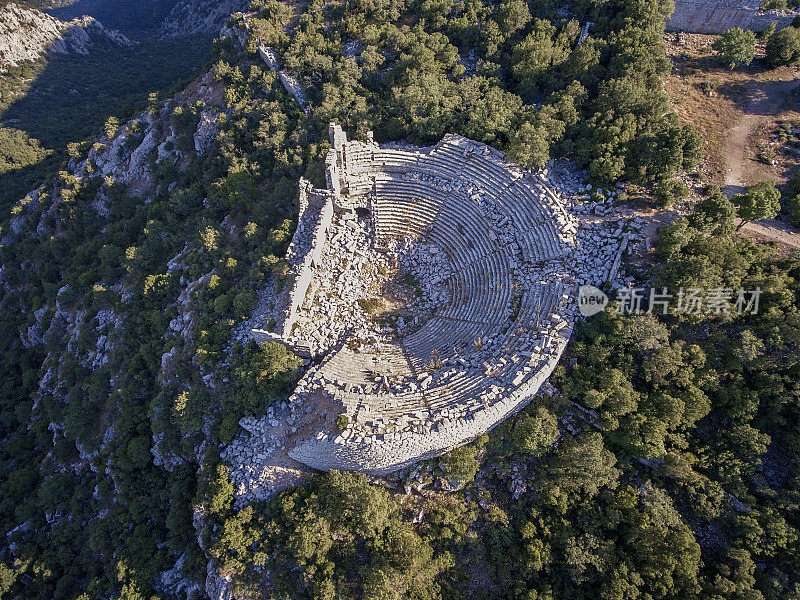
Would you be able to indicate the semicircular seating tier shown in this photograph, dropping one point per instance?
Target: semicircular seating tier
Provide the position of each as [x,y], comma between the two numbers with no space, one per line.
[476,355]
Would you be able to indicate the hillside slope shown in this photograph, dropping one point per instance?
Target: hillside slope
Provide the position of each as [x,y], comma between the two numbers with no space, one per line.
[190,17]
[145,18]
[61,80]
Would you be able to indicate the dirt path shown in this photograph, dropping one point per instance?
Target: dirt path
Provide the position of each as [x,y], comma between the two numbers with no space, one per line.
[765,101]
[773,231]
[736,154]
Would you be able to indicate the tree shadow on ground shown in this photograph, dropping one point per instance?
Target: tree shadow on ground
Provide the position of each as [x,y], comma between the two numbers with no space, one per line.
[763,98]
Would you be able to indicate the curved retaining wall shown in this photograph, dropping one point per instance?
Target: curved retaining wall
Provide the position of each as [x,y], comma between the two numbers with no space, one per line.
[718,16]
[379,457]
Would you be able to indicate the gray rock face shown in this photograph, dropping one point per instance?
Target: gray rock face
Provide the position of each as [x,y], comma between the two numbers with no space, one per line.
[217,588]
[200,16]
[175,583]
[718,16]
[27,33]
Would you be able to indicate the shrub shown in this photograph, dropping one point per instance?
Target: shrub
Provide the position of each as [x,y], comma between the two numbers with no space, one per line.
[462,464]
[736,47]
[761,201]
[220,491]
[791,200]
[534,434]
[670,191]
[793,209]
[369,305]
[783,47]
[111,127]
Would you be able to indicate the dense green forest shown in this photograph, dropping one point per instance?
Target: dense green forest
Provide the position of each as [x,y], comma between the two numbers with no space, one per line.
[135,18]
[67,97]
[666,467]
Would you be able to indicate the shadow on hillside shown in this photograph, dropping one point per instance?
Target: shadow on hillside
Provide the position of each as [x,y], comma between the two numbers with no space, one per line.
[731,190]
[132,17]
[73,95]
[763,98]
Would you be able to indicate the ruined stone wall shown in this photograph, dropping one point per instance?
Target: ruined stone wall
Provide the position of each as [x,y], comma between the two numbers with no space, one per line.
[290,83]
[718,16]
[303,269]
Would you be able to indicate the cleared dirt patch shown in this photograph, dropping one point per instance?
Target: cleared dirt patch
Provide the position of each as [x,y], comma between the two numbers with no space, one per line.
[734,109]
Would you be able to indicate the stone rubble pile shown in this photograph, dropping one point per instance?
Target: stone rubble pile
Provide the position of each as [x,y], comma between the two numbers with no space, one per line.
[348,272]
[260,464]
[429,267]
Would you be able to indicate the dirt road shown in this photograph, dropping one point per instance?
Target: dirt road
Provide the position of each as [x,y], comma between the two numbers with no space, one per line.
[765,101]
[773,231]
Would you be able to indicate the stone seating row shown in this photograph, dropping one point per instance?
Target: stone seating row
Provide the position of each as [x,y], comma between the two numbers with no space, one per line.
[392,161]
[348,366]
[539,301]
[502,183]
[539,244]
[463,392]
[348,363]
[403,206]
[407,208]
[447,161]
[441,336]
[458,228]
[394,221]
[384,407]
[530,213]
[456,392]
[493,177]
[463,227]
[358,158]
[480,292]
[444,162]
[523,205]
[520,205]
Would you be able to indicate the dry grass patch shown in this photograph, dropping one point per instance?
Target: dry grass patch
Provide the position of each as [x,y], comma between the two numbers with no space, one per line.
[714,99]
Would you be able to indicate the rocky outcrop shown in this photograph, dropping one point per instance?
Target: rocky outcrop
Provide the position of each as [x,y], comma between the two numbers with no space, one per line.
[718,16]
[175,582]
[27,33]
[190,17]
[217,587]
[129,155]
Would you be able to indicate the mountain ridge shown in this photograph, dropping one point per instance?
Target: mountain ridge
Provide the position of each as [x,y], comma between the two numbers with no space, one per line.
[27,33]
